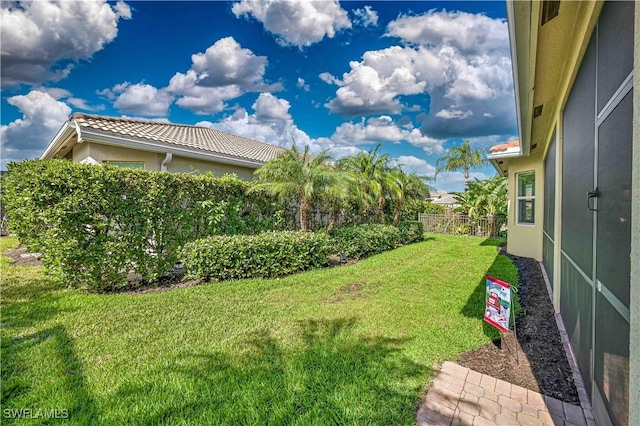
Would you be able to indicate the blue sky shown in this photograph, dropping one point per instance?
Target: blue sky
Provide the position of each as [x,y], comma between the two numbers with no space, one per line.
[417,77]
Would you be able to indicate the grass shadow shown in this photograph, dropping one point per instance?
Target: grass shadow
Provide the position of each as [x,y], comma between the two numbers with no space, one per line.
[334,377]
[494,241]
[19,377]
[38,364]
[501,268]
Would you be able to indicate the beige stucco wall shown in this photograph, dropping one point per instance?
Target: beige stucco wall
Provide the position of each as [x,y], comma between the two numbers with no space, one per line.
[190,165]
[634,349]
[153,160]
[526,240]
[80,152]
[102,153]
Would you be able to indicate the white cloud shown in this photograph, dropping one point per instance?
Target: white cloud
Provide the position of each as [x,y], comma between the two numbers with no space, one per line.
[269,109]
[139,99]
[26,137]
[82,104]
[375,84]
[454,181]
[467,32]
[302,85]
[383,129]
[56,93]
[330,79]
[199,99]
[226,63]
[460,60]
[296,22]
[446,181]
[453,113]
[365,17]
[224,71]
[41,40]
[272,123]
[63,94]
[411,164]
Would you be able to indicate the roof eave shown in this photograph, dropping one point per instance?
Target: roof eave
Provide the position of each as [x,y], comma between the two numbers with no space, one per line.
[65,132]
[496,158]
[89,134]
[505,154]
[523,34]
[494,163]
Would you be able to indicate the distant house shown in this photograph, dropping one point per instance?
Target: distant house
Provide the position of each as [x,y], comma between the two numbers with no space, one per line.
[574,182]
[152,145]
[443,198]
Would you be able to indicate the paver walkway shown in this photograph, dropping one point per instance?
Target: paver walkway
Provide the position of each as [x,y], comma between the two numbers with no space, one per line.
[460,396]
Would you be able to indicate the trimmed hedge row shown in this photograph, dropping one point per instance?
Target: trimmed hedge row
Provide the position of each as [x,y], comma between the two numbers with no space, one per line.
[411,231]
[266,255]
[96,225]
[364,240]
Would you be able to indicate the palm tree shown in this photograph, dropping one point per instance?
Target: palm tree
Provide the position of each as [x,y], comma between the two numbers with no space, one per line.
[367,175]
[496,198]
[404,187]
[485,198]
[336,197]
[461,157]
[302,176]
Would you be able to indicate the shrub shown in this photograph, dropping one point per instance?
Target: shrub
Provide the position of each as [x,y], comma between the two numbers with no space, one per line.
[433,208]
[411,231]
[364,240]
[96,225]
[266,255]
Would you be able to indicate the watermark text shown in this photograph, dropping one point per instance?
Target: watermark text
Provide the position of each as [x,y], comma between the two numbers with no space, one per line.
[35,413]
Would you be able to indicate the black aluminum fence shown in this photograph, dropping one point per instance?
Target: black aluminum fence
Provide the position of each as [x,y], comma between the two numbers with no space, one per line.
[460,224]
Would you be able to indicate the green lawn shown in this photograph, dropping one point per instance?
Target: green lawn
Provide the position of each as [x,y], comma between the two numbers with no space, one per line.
[347,345]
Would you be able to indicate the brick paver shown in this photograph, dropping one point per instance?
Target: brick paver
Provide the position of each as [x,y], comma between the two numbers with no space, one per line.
[463,397]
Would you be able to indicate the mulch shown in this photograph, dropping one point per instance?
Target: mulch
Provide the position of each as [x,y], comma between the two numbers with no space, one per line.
[541,364]
[21,257]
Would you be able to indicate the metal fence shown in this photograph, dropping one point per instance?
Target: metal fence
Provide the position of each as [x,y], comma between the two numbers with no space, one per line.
[459,224]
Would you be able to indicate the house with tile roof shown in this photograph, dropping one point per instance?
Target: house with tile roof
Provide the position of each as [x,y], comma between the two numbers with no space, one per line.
[574,183]
[152,145]
[445,199]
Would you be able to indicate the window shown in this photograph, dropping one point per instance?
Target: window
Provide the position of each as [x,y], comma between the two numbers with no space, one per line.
[550,9]
[127,164]
[526,197]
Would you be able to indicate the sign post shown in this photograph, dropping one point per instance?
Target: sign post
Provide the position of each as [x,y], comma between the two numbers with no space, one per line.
[499,300]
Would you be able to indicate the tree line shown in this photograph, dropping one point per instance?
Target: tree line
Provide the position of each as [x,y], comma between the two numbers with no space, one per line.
[370,183]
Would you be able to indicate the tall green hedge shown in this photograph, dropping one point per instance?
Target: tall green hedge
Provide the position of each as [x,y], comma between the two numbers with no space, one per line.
[266,255]
[96,225]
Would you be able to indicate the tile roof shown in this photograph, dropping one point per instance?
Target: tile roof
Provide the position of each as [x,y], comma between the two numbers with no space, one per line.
[504,146]
[181,135]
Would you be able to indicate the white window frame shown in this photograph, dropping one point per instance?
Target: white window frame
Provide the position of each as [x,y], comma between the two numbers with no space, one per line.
[525,198]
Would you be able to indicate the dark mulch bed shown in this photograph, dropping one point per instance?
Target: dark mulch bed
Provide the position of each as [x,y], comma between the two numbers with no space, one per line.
[542,366]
